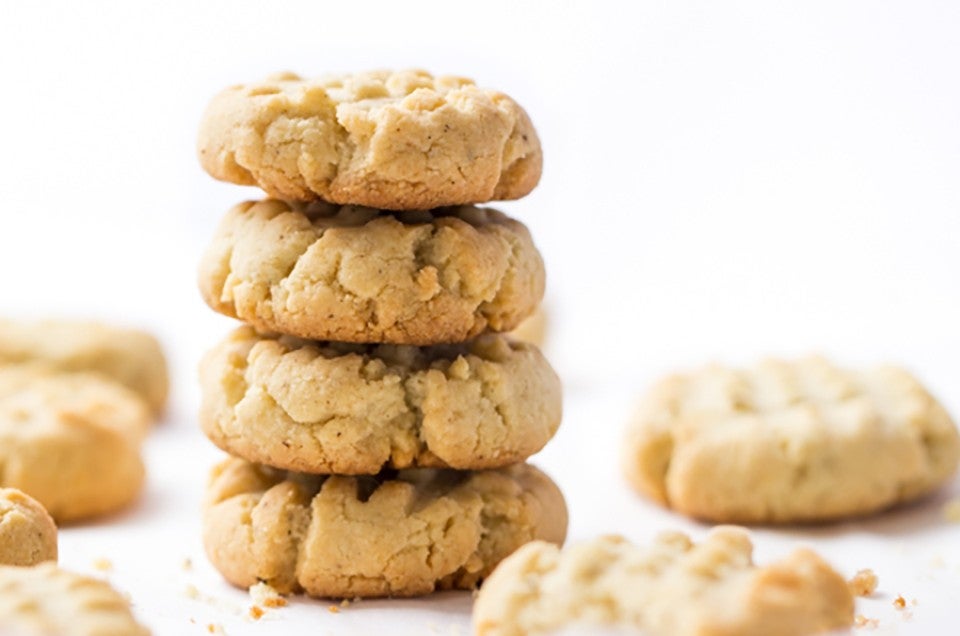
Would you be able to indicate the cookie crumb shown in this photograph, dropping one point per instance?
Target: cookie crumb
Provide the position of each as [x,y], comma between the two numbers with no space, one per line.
[951,511]
[103,564]
[186,565]
[333,609]
[214,628]
[265,595]
[861,621]
[863,583]
[345,603]
[255,612]
[191,591]
[900,602]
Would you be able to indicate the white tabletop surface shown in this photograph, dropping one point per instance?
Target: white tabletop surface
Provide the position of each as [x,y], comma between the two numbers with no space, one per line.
[722,181]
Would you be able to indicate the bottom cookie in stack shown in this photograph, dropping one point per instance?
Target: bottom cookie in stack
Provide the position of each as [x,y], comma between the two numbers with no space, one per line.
[400,533]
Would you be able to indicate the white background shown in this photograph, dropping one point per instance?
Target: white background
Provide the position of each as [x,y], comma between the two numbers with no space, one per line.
[722,181]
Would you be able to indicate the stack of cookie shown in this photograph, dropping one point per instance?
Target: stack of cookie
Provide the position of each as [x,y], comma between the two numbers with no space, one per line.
[377,417]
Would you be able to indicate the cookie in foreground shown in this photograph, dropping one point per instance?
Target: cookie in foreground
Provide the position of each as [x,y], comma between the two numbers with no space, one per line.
[393,140]
[789,441]
[403,533]
[71,441]
[327,407]
[42,600]
[28,535]
[355,274]
[670,588]
[129,356]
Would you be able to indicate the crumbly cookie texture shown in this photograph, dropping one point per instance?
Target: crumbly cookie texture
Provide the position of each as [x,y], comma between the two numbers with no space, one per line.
[71,440]
[44,599]
[327,407]
[28,535]
[789,441]
[359,275]
[393,140]
[671,588]
[131,357]
[402,533]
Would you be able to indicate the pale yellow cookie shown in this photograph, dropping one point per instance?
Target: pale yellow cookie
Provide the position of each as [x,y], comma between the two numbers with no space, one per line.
[533,329]
[671,588]
[358,275]
[131,357]
[402,533]
[45,600]
[393,140]
[28,534]
[322,407]
[71,440]
[789,441]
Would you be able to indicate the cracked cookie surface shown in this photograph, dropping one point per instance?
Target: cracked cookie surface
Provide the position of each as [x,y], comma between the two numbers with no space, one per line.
[43,600]
[402,533]
[71,440]
[322,407]
[670,588]
[355,274]
[789,441]
[28,535]
[129,356]
[392,140]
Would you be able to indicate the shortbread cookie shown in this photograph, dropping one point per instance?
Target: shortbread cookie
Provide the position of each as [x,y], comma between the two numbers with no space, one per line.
[789,441]
[399,141]
[27,533]
[131,357]
[326,407]
[45,600]
[402,533]
[672,588]
[358,275]
[71,441]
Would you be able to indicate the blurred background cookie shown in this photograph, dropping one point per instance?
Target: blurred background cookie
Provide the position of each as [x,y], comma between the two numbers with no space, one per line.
[131,357]
[28,535]
[71,440]
[789,441]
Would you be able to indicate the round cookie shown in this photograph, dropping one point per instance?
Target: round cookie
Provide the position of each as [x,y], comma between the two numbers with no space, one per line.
[394,140]
[327,407]
[131,357]
[355,274]
[670,588]
[789,441]
[28,535]
[71,441]
[403,533]
[44,599]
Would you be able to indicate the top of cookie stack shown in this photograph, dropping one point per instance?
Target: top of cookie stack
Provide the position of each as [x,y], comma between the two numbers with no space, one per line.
[372,365]
[393,140]
[403,141]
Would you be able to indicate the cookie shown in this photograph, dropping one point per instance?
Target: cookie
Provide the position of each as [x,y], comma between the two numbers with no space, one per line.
[672,588]
[45,600]
[359,275]
[394,140]
[789,441]
[71,441]
[402,533]
[533,329]
[327,407]
[131,357]
[27,533]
